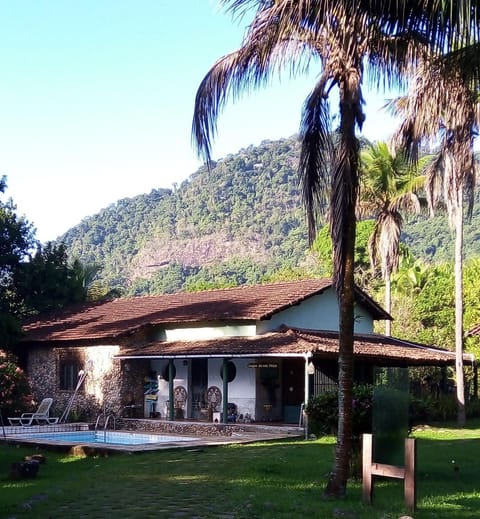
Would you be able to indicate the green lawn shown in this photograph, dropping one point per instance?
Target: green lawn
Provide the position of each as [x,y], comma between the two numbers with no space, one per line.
[282,479]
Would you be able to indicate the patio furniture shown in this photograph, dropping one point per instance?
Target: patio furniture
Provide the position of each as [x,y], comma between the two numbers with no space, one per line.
[41,415]
[213,399]
[232,412]
[179,401]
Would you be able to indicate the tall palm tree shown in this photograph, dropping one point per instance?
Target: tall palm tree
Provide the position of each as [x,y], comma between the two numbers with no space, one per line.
[342,38]
[443,105]
[389,184]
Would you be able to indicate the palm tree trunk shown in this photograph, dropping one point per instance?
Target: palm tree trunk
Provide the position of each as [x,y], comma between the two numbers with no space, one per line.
[337,484]
[459,309]
[345,373]
[344,200]
[388,303]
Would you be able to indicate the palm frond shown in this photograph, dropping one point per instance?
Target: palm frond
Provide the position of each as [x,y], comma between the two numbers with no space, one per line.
[316,153]
[385,242]
[268,48]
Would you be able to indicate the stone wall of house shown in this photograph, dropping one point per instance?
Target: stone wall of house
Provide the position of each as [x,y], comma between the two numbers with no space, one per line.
[132,382]
[102,387]
[42,374]
[108,385]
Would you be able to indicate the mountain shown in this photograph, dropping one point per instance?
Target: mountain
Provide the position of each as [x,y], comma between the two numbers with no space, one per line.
[245,213]
[233,224]
[433,240]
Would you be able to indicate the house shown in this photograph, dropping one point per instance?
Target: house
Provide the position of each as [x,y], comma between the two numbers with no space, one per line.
[250,352]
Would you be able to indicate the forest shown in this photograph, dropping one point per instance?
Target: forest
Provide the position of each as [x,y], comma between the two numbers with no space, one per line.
[240,221]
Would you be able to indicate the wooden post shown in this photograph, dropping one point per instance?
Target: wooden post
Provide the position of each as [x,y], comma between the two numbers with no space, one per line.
[367,478]
[410,474]
[407,473]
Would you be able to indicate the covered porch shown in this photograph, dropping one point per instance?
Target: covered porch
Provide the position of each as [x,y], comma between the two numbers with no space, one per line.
[264,378]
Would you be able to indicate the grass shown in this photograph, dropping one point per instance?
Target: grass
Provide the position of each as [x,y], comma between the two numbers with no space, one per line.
[281,479]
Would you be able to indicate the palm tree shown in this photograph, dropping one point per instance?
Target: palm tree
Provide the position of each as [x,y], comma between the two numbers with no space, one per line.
[342,37]
[443,104]
[389,184]
[412,276]
[87,277]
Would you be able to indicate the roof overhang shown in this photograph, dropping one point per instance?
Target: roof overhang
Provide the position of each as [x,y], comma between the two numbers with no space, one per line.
[294,343]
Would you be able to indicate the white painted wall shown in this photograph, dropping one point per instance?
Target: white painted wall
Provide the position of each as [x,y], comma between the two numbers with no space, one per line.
[209,332]
[319,312]
[181,379]
[241,391]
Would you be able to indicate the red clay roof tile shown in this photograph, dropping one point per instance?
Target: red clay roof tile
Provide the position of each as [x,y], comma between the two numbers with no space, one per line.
[379,349]
[124,316]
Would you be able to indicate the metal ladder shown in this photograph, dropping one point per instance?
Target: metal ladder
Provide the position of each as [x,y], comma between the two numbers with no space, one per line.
[105,425]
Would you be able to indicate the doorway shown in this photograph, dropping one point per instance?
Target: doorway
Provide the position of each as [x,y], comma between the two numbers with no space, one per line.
[199,382]
[293,389]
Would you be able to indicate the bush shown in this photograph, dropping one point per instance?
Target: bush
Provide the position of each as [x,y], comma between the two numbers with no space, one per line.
[15,392]
[473,408]
[322,411]
[429,408]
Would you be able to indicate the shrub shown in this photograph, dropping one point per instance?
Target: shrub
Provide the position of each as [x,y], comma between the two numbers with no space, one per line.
[15,392]
[322,411]
[473,408]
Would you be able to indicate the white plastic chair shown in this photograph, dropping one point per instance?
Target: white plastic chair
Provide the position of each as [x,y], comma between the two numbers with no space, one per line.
[41,415]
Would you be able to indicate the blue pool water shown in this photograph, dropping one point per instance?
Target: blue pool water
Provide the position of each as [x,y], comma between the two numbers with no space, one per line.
[106,437]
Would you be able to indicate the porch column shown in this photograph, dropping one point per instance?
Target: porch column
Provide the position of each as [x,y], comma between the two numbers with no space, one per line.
[309,370]
[225,390]
[307,380]
[170,390]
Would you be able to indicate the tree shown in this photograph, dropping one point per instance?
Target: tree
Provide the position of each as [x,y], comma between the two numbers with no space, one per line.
[342,36]
[14,386]
[48,282]
[412,275]
[17,238]
[443,103]
[389,184]
[323,249]
[87,277]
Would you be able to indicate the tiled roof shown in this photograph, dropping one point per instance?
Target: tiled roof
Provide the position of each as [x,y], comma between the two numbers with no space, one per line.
[124,316]
[323,344]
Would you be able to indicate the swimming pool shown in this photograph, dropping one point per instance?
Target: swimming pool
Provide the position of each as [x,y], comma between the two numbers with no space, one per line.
[104,438]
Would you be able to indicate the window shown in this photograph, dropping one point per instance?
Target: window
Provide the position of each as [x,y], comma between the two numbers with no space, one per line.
[69,367]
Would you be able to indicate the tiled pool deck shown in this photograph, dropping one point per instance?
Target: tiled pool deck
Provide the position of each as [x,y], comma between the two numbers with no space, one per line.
[205,433]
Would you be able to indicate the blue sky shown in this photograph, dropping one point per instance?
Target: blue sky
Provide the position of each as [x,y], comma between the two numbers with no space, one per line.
[96,101]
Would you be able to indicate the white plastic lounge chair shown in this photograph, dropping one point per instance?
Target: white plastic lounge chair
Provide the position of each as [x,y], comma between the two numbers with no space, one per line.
[41,415]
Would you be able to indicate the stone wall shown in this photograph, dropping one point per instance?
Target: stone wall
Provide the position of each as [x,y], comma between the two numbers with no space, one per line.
[106,385]
[188,428]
